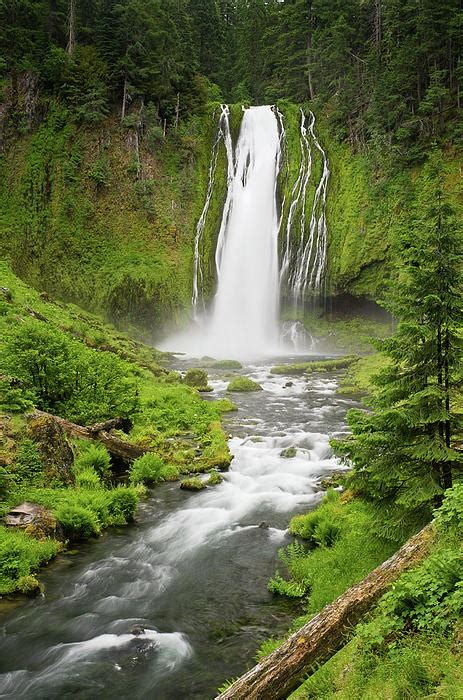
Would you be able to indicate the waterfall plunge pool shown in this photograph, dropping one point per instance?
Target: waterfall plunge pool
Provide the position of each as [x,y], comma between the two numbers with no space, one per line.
[192,571]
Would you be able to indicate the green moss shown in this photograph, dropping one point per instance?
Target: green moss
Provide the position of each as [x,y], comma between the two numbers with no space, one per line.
[226,364]
[194,483]
[358,379]
[243,384]
[197,378]
[215,478]
[315,366]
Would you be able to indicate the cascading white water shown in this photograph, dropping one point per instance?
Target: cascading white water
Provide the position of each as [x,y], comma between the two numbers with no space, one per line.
[303,268]
[243,321]
[223,134]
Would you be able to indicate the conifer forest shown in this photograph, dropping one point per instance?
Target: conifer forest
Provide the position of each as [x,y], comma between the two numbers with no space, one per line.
[231,349]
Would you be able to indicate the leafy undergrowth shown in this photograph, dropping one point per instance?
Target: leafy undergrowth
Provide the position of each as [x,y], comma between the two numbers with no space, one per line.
[411,645]
[58,359]
[20,555]
[338,548]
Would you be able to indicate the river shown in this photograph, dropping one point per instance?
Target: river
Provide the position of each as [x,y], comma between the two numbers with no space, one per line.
[191,572]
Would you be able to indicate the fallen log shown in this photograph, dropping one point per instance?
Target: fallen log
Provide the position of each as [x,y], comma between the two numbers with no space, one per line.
[282,671]
[100,431]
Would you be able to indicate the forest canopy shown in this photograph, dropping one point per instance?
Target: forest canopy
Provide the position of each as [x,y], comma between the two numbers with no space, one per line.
[388,71]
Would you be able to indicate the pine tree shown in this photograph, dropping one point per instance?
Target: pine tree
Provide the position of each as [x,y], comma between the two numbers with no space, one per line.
[402,453]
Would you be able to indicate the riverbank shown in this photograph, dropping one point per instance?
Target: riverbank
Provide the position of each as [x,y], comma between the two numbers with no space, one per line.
[192,569]
[411,642]
[70,364]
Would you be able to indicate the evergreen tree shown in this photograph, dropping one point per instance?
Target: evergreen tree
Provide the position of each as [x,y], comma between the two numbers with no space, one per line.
[401,453]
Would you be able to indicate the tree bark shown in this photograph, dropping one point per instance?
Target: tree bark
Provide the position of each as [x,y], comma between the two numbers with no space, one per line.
[101,432]
[279,673]
[71,28]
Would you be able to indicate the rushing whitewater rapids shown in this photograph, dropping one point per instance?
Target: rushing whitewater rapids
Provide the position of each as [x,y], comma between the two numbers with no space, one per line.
[243,322]
[191,573]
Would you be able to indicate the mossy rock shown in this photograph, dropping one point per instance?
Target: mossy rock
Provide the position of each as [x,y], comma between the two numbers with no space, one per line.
[243,384]
[227,364]
[215,478]
[54,447]
[316,366]
[193,484]
[197,378]
[288,453]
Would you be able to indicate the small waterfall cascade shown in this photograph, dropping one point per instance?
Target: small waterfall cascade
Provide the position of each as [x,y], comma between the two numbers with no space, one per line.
[223,135]
[303,267]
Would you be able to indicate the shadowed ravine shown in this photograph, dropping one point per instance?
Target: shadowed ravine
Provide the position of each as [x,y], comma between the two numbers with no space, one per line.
[192,571]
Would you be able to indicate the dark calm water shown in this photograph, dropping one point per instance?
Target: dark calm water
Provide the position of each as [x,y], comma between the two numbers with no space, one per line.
[192,571]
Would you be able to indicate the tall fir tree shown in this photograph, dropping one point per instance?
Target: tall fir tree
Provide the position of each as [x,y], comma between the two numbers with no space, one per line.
[402,454]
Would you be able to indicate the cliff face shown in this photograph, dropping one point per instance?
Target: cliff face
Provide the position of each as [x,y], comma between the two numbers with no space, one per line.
[105,217]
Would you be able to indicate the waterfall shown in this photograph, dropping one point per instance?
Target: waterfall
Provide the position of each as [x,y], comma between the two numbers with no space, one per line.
[243,319]
[244,316]
[304,264]
[223,134]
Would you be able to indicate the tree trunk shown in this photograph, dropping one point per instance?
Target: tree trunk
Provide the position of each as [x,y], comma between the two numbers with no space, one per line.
[100,431]
[124,97]
[309,54]
[71,28]
[279,673]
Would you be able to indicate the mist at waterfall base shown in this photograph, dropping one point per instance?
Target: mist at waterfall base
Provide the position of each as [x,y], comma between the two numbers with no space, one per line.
[243,321]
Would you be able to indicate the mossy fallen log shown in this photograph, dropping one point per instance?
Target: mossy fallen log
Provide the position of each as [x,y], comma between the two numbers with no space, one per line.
[100,431]
[279,673]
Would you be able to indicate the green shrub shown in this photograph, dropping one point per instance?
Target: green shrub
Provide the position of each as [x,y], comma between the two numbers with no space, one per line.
[122,504]
[65,377]
[147,469]
[87,478]
[196,378]
[77,521]
[19,555]
[94,457]
[227,364]
[28,466]
[450,514]
[170,472]
[350,549]
[29,584]
[215,478]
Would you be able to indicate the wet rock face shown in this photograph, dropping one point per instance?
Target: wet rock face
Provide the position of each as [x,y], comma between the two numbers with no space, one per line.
[55,449]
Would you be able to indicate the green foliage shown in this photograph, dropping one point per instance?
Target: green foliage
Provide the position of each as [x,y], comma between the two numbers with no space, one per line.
[342,547]
[147,469]
[28,466]
[29,585]
[87,478]
[402,453]
[122,504]
[196,378]
[193,483]
[93,457]
[215,478]
[77,521]
[20,555]
[65,377]
[450,514]
[226,364]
